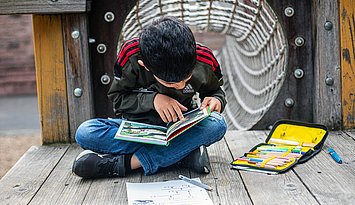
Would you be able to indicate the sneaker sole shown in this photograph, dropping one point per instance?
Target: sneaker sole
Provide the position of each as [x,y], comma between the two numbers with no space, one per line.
[85,152]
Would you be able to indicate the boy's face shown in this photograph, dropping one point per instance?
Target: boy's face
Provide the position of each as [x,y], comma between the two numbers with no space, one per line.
[176,85]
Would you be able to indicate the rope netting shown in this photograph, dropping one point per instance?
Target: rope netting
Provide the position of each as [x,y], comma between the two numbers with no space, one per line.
[253,57]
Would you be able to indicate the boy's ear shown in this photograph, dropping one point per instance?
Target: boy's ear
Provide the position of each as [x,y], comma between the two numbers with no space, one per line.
[140,62]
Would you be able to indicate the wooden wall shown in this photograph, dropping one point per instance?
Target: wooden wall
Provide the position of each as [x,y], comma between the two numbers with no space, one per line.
[347,59]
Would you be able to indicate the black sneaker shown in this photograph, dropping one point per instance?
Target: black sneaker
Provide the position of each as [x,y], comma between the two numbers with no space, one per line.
[198,161]
[89,164]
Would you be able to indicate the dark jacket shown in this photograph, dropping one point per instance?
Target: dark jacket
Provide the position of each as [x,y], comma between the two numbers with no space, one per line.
[134,88]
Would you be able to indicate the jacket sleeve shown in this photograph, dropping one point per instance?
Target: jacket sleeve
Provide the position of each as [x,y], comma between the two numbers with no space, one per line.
[124,93]
[213,88]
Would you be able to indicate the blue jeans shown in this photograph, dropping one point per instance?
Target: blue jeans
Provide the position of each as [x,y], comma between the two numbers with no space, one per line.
[98,135]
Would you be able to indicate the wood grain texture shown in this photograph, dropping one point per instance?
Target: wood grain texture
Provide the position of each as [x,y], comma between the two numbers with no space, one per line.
[284,188]
[41,6]
[111,191]
[51,78]
[62,186]
[327,98]
[78,73]
[228,187]
[300,90]
[351,133]
[330,182]
[43,176]
[347,59]
[23,181]
[106,33]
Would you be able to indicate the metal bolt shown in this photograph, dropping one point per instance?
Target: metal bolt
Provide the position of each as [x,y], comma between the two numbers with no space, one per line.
[299,41]
[329,81]
[109,16]
[105,79]
[289,12]
[328,25]
[101,48]
[91,40]
[298,73]
[78,92]
[75,34]
[289,102]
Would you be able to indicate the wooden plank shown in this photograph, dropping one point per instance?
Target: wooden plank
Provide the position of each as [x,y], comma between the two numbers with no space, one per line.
[23,181]
[165,174]
[63,187]
[347,59]
[78,72]
[106,33]
[327,96]
[351,133]
[41,6]
[300,90]
[267,189]
[111,191]
[329,182]
[228,187]
[50,76]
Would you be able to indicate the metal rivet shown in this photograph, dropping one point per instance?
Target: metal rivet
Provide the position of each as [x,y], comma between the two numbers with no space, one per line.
[269,127]
[91,40]
[328,25]
[78,92]
[299,41]
[54,0]
[101,48]
[75,34]
[289,102]
[105,79]
[289,12]
[329,81]
[298,73]
[109,16]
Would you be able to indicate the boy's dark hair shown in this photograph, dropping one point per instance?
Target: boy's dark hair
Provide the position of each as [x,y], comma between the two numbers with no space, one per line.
[168,49]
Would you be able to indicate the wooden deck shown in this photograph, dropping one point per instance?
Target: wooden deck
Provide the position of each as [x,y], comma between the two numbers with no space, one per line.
[43,176]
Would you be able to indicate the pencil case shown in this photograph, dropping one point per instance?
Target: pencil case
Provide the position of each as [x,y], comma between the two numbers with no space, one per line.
[289,143]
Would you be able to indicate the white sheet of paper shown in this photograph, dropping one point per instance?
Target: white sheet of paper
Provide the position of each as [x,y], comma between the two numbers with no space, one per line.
[174,192]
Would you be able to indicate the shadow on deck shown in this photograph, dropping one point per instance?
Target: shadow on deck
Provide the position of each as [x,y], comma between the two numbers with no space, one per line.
[43,176]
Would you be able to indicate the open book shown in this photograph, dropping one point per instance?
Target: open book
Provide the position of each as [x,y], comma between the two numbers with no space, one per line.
[159,135]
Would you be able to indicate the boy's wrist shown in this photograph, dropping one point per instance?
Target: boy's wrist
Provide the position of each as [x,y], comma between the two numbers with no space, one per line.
[148,100]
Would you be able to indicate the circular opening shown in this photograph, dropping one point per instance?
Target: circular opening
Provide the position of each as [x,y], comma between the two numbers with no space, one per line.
[247,40]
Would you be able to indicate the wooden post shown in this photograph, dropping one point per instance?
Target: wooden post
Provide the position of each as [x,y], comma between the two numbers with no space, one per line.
[78,73]
[327,90]
[347,44]
[51,78]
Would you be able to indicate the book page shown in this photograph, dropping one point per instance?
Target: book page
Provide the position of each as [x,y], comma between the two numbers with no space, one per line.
[174,192]
[141,132]
[190,117]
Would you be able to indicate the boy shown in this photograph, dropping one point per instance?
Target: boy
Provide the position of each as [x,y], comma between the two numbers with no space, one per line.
[156,77]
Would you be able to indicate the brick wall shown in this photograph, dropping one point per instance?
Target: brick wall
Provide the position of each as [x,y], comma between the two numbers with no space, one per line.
[17,67]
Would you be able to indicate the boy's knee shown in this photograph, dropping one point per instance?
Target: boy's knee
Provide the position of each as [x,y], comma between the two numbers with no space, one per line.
[218,124]
[83,130]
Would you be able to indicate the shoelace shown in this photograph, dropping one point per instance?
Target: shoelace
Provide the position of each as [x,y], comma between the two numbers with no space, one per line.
[109,166]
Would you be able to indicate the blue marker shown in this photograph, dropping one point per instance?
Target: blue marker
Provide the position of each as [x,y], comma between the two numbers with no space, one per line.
[334,155]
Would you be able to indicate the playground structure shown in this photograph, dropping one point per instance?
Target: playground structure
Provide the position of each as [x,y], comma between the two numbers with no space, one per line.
[280,59]
[296,59]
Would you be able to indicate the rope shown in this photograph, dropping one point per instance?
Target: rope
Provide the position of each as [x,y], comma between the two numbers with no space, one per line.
[253,57]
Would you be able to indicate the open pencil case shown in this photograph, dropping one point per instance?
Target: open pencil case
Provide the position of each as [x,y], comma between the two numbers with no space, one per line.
[288,143]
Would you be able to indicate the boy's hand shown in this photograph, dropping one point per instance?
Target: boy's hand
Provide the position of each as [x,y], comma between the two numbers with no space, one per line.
[168,108]
[213,103]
